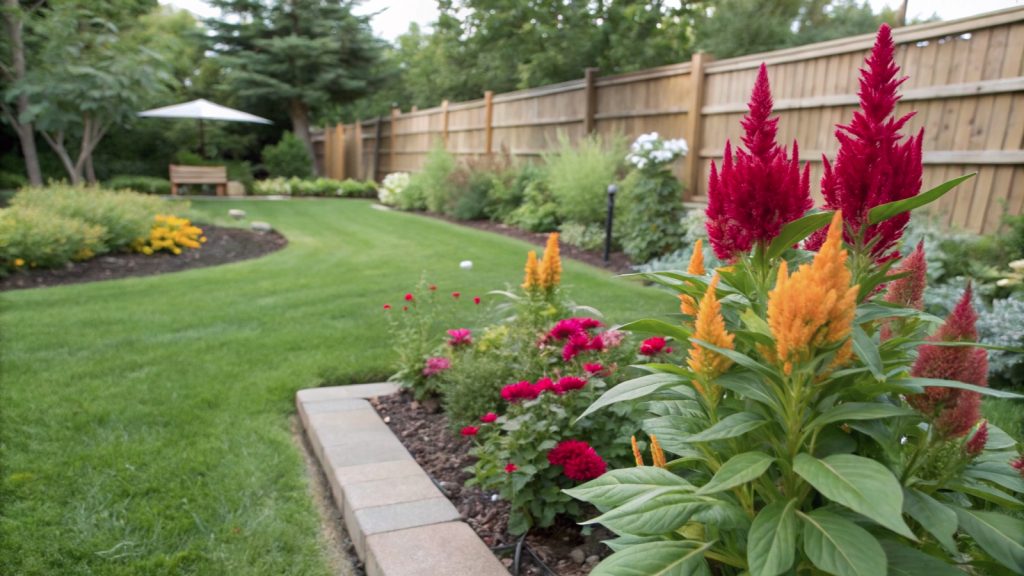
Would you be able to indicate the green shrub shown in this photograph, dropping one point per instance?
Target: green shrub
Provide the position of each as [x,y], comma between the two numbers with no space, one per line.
[413,197]
[123,216]
[12,180]
[32,236]
[538,211]
[391,188]
[579,176]
[648,213]
[433,181]
[288,158]
[144,184]
[351,188]
[585,236]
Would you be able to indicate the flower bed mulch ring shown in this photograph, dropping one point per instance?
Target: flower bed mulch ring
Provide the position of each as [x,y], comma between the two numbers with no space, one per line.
[223,245]
[424,430]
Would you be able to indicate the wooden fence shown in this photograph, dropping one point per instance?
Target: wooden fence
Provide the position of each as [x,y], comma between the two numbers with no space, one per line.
[966,84]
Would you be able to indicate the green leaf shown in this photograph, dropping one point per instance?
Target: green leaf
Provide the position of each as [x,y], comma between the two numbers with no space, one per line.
[633,389]
[890,209]
[935,517]
[795,231]
[838,546]
[657,559]
[755,323]
[917,385]
[748,385]
[906,561]
[860,411]
[738,470]
[868,352]
[742,360]
[660,512]
[986,492]
[729,427]
[861,484]
[998,439]
[871,311]
[997,534]
[616,487]
[658,328]
[771,542]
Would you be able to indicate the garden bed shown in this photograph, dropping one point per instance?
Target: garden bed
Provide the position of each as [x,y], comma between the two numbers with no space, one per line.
[223,245]
[424,430]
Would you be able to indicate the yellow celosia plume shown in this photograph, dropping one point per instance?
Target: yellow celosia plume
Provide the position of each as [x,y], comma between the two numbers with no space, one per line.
[551,265]
[709,326]
[657,454]
[531,279]
[814,307]
[636,452]
[687,305]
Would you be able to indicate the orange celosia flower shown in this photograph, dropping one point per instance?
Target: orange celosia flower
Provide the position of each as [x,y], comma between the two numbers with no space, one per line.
[636,452]
[814,307]
[532,278]
[687,305]
[657,454]
[709,327]
[551,265]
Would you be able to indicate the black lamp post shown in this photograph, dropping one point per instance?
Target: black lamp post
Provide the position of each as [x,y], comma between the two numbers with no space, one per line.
[612,189]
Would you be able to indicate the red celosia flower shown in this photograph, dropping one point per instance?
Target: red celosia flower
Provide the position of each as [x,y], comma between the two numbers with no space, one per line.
[459,337]
[436,365]
[761,189]
[1018,465]
[569,383]
[578,460]
[476,299]
[653,346]
[522,390]
[593,368]
[544,385]
[909,290]
[387,306]
[952,411]
[976,444]
[489,418]
[408,297]
[470,430]
[872,167]
[564,329]
[456,295]
[510,468]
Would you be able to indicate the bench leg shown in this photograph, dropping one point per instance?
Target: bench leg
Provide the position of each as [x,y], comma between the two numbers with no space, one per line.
[221,189]
[174,189]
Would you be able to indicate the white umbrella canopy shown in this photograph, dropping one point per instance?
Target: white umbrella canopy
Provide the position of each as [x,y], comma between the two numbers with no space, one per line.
[201,110]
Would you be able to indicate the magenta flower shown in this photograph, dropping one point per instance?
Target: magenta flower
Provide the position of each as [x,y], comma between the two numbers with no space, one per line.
[761,189]
[569,383]
[593,368]
[459,337]
[653,346]
[436,365]
[580,462]
[522,390]
[470,430]
[489,418]
[510,468]
[872,166]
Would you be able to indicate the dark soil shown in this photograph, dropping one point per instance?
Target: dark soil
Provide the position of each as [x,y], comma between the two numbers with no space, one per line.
[618,262]
[223,245]
[426,433]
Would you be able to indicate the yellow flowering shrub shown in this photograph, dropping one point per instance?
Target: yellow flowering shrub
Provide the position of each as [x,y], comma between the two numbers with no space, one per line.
[170,233]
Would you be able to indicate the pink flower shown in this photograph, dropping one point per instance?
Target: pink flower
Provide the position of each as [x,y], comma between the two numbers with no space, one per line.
[761,189]
[952,411]
[387,306]
[569,383]
[1018,465]
[653,346]
[459,337]
[872,166]
[436,365]
[909,290]
[476,299]
[408,297]
[976,445]
[489,418]
[456,295]
[469,431]
[578,459]
[544,385]
[510,468]
[612,338]
[522,390]
[593,368]
[564,329]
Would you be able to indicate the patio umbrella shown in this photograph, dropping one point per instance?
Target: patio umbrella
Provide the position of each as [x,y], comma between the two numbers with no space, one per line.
[203,110]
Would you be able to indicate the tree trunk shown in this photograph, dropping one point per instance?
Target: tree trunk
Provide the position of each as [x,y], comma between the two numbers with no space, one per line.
[299,113]
[26,133]
[56,142]
[90,171]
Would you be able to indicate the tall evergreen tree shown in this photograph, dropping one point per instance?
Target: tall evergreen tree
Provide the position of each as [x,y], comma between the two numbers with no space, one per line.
[302,55]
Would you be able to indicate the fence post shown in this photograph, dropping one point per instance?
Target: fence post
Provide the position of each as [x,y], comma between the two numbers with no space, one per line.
[444,123]
[589,99]
[360,165]
[325,167]
[488,121]
[391,140]
[339,133]
[694,124]
[376,148]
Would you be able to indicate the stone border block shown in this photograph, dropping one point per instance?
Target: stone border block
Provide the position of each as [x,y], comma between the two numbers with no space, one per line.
[452,549]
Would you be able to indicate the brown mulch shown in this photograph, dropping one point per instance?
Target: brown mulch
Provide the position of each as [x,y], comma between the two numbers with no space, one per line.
[618,262]
[223,245]
[424,430]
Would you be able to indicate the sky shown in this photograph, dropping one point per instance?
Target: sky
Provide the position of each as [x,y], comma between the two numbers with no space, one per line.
[394,16]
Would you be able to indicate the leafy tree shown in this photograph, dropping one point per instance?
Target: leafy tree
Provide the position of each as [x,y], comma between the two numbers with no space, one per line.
[302,55]
[14,107]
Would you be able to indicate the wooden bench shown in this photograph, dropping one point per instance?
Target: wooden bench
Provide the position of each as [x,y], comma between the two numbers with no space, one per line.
[217,175]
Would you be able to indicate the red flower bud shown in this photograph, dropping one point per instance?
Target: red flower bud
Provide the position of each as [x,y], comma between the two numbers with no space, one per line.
[470,431]
[456,295]
[408,297]
[510,468]
[489,417]
[476,299]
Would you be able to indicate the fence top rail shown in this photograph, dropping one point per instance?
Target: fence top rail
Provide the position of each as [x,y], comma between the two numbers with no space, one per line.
[546,90]
[903,35]
[667,70]
[468,104]
[418,113]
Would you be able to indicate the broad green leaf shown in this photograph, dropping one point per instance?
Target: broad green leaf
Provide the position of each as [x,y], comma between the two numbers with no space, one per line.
[890,209]
[986,492]
[749,385]
[742,360]
[656,367]
[795,231]
[868,352]
[838,546]
[860,411]
[633,389]
[660,512]
[917,386]
[771,542]
[657,559]
[998,439]
[996,473]
[658,328]
[906,561]
[861,484]
[738,470]
[755,323]
[722,515]
[623,542]
[729,427]
[616,487]
[871,311]
[672,432]
[997,534]
[934,516]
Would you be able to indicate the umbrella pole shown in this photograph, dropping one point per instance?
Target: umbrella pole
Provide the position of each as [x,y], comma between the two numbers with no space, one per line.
[202,142]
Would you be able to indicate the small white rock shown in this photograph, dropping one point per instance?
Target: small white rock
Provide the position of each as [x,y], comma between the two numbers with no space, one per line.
[261,226]
[236,213]
[466,264]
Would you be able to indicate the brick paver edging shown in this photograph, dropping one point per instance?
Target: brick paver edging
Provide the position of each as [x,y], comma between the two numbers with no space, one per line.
[399,522]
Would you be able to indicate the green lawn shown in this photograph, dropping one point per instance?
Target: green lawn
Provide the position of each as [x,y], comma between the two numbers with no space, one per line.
[145,422]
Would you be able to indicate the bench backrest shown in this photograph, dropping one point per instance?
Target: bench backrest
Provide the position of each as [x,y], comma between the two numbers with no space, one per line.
[199,174]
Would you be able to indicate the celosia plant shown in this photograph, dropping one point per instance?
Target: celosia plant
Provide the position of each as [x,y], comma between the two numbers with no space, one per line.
[797,440]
